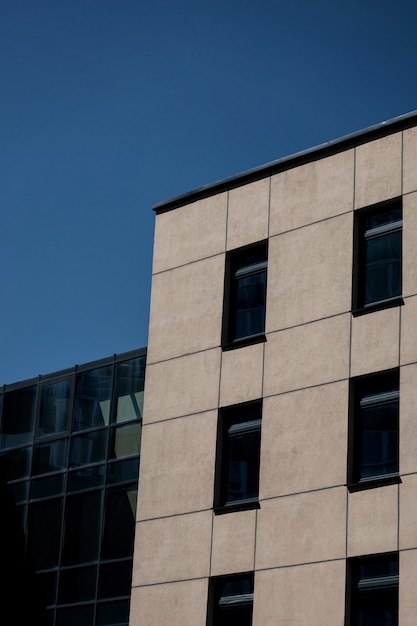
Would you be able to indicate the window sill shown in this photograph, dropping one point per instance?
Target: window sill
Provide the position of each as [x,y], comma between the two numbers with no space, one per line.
[378,306]
[375,481]
[243,505]
[244,341]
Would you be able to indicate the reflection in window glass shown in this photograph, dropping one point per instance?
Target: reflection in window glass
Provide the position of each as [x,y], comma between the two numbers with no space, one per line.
[16,463]
[77,584]
[110,613]
[119,523]
[50,457]
[69,616]
[54,408]
[49,486]
[126,440]
[92,398]
[115,579]
[129,389]
[82,521]
[88,477]
[18,417]
[44,534]
[123,471]
[88,448]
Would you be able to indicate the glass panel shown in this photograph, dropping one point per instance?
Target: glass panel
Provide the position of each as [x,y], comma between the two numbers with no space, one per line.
[16,463]
[92,398]
[82,528]
[88,448]
[234,614]
[75,615]
[77,584]
[383,267]
[109,613]
[379,440]
[115,579]
[243,466]
[86,478]
[123,471]
[50,457]
[44,487]
[125,440]
[250,305]
[47,583]
[20,491]
[129,389]
[54,408]
[18,417]
[119,526]
[384,216]
[45,519]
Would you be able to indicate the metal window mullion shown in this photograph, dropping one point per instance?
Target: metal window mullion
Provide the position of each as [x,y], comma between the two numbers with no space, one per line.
[237,600]
[379,398]
[385,229]
[243,428]
[256,268]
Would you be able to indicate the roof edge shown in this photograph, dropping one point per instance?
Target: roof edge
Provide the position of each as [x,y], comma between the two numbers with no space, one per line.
[260,171]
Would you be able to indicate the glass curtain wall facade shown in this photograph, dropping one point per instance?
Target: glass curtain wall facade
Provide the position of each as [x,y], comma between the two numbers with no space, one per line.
[69,462]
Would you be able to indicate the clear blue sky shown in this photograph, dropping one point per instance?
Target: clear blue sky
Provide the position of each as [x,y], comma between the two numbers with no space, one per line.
[110,106]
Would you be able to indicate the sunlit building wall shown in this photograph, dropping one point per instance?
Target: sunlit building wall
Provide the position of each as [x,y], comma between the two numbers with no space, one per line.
[279,443]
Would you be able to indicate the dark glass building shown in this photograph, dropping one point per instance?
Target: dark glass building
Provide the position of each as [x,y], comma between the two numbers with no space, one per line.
[69,463]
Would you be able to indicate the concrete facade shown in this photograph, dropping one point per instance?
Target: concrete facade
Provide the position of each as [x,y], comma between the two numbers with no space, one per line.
[309,520]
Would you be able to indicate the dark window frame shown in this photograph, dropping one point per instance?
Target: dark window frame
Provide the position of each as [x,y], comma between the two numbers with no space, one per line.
[238,268]
[220,603]
[364,590]
[363,232]
[367,392]
[237,420]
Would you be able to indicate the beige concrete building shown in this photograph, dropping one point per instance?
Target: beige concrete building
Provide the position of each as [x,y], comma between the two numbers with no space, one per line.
[278,480]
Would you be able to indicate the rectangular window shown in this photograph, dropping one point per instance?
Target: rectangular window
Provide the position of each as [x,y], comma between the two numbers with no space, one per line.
[238,453]
[374,425]
[245,295]
[372,595]
[378,256]
[231,600]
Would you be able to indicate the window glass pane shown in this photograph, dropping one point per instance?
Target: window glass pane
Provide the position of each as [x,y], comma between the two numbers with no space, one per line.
[44,487]
[47,583]
[18,417]
[45,519]
[119,526]
[88,448]
[20,491]
[75,615]
[125,440]
[16,463]
[77,584]
[54,408]
[233,601]
[115,579]
[50,457]
[383,216]
[241,437]
[376,425]
[379,444]
[383,267]
[123,471]
[92,398]
[129,389]
[88,477]
[243,466]
[82,528]
[110,613]
[250,305]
